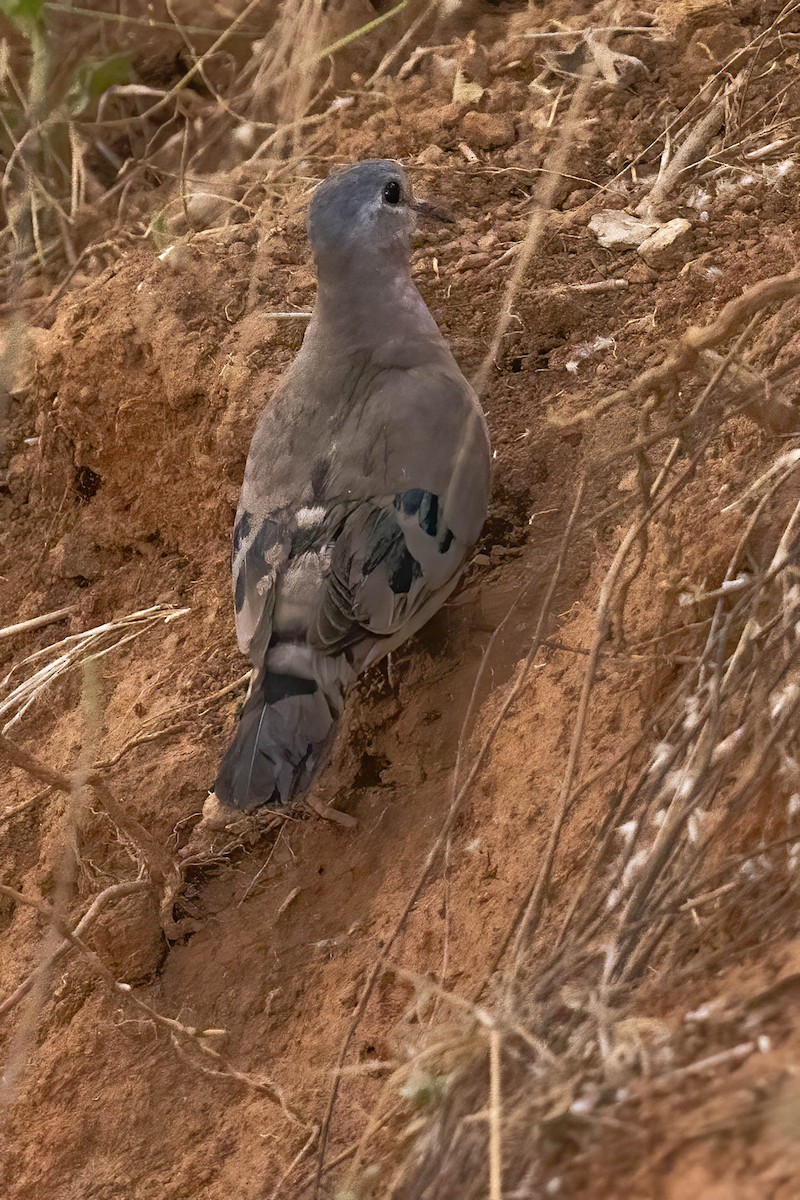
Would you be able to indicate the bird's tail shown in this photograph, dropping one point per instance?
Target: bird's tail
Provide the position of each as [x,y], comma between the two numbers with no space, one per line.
[285,726]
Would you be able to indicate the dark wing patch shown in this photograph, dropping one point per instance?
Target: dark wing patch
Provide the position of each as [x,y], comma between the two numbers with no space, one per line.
[280,686]
[391,558]
[239,592]
[253,564]
[386,546]
[258,554]
[405,571]
[365,567]
[241,531]
[319,479]
[426,506]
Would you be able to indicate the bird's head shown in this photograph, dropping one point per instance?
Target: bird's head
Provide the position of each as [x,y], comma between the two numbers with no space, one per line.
[365,211]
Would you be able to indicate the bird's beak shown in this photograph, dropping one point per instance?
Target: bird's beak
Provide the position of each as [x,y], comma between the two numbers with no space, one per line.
[430,212]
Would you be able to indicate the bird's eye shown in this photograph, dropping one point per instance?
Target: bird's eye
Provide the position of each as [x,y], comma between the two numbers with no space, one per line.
[391,192]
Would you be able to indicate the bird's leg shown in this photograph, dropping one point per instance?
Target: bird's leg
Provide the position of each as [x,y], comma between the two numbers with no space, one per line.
[318,796]
[318,804]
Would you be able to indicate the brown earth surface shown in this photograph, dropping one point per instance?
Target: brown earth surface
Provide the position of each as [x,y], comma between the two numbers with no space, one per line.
[128,428]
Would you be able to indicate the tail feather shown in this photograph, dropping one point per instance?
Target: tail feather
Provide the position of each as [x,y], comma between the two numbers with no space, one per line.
[285,726]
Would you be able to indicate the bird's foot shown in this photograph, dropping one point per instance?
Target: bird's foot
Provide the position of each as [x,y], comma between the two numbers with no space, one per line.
[217,815]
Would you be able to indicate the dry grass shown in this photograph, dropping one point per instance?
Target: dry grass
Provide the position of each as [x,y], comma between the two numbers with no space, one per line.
[557,1039]
[694,861]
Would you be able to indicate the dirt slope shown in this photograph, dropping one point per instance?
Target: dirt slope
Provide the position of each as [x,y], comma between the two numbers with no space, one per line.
[128,432]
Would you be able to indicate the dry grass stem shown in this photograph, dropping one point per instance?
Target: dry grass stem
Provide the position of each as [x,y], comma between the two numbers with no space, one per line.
[50,618]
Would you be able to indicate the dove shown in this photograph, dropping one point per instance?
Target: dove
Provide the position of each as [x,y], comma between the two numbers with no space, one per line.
[366,485]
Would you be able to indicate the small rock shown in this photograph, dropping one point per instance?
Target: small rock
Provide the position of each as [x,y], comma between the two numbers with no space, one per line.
[472,262]
[130,939]
[18,476]
[73,559]
[667,245]
[488,131]
[617,230]
[506,96]
[481,560]
[641,273]
[432,121]
[465,91]
[177,257]
[431,155]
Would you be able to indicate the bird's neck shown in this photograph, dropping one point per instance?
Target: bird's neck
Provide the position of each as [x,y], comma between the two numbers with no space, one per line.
[366,306]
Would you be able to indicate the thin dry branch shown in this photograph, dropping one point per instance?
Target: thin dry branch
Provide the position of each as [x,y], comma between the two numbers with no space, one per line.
[695,341]
[199,1038]
[159,865]
[115,892]
[37,622]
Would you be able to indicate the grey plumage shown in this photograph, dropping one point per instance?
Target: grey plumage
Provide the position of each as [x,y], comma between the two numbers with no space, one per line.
[366,484]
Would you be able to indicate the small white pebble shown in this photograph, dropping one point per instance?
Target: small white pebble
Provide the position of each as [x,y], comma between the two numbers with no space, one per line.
[764,1043]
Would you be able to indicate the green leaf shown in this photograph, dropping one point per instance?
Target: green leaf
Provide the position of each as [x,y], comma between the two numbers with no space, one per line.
[23,13]
[157,229]
[92,79]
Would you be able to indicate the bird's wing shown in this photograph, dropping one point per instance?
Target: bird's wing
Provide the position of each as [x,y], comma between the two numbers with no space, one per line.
[261,548]
[422,450]
[401,494]
[394,558]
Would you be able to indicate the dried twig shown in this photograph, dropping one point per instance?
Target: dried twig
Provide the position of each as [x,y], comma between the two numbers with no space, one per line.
[153,856]
[37,622]
[693,343]
[200,1039]
[116,891]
